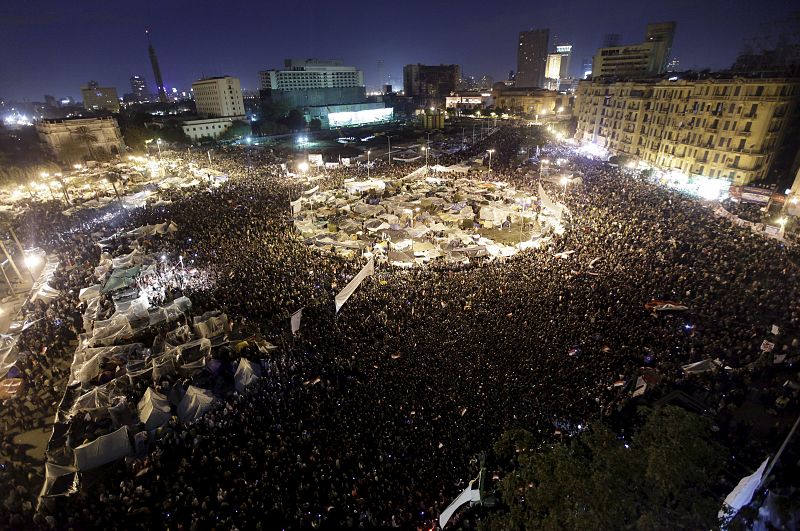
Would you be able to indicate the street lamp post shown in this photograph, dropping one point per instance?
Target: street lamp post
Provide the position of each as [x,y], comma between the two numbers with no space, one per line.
[368,152]
[389,139]
[425,149]
[490,151]
[565,182]
[158,143]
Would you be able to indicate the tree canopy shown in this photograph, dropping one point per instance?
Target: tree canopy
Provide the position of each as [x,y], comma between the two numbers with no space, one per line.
[659,479]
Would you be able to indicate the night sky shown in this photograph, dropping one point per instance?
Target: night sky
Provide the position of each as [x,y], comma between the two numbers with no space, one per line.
[55,46]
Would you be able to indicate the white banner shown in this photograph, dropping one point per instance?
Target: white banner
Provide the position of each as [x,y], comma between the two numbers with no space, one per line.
[295,320]
[742,493]
[297,206]
[469,495]
[315,159]
[351,287]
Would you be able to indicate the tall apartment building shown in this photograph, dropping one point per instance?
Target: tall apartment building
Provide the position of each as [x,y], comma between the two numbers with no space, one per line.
[558,66]
[313,82]
[139,89]
[218,96]
[645,59]
[429,85]
[97,98]
[532,54]
[722,127]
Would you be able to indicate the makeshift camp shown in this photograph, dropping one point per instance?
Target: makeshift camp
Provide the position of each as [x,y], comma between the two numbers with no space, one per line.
[154,410]
[246,373]
[103,450]
[195,403]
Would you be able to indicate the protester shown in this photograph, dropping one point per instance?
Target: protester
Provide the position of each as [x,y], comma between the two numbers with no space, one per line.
[377,416]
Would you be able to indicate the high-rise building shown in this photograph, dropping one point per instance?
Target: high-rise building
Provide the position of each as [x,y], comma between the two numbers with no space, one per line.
[587,67]
[429,85]
[725,127]
[558,66]
[313,82]
[673,65]
[218,97]
[162,93]
[532,54]
[139,88]
[648,58]
[97,98]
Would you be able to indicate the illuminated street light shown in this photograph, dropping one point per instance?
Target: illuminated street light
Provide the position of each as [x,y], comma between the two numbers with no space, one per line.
[426,149]
[303,166]
[490,151]
[368,152]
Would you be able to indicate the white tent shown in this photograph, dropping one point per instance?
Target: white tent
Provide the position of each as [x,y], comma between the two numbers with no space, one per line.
[701,366]
[154,410]
[210,327]
[246,373]
[195,403]
[104,449]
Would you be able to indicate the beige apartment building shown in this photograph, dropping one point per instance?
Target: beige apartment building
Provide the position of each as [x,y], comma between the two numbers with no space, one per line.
[532,101]
[716,127]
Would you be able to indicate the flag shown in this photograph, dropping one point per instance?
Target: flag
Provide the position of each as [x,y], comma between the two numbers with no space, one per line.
[742,493]
[351,286]
[295,320]
[469,495]
[297,206]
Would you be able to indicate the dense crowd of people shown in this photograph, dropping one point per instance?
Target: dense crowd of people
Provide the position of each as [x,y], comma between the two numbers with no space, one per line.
[378,415]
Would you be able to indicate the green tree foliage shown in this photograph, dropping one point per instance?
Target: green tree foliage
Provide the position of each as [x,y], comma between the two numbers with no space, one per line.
[295,121]
[315,124]
[660,479]
[238,129]
[135,137]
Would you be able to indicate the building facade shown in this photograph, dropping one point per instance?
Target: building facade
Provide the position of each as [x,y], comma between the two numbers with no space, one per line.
[84,138]
[305,74]
[312,82]
[645,59]
[218,97]
[207,128]
[97,98]
[532,51]
[538,103]
[728,128]
[139,89]
[429,85]
[469,101]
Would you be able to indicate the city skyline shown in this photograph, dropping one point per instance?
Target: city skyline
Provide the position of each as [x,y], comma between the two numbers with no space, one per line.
[108,44]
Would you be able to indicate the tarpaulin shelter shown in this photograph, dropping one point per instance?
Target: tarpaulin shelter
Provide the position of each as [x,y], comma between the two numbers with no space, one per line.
[246,373]
[103,450]
[195,403]
[154,410]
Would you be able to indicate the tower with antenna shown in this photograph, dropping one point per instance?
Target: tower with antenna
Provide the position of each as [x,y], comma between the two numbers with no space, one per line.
[162,94]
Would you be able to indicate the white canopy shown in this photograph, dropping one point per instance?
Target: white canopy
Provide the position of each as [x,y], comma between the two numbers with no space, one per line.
[246,373]
[104,449]
[195,403]
[154,410]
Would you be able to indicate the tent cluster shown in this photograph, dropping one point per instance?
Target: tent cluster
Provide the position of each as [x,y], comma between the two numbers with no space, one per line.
[121,393]
[423,217]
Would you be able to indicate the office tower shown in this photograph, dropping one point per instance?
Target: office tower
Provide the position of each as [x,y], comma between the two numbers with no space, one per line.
[218,96]
[429,85]
[97,98]
[532,57]
[139,88]
[648,58]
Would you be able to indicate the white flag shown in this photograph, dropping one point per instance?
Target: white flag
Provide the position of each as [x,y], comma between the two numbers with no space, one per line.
[742,493]
[295,321]
[297,206]
[469,495]
[351,286]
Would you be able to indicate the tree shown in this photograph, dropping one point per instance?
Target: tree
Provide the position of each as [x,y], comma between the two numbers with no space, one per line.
[660,479]
[238,129]
[295,120]
[315,124]
[135,137]
[84,135]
